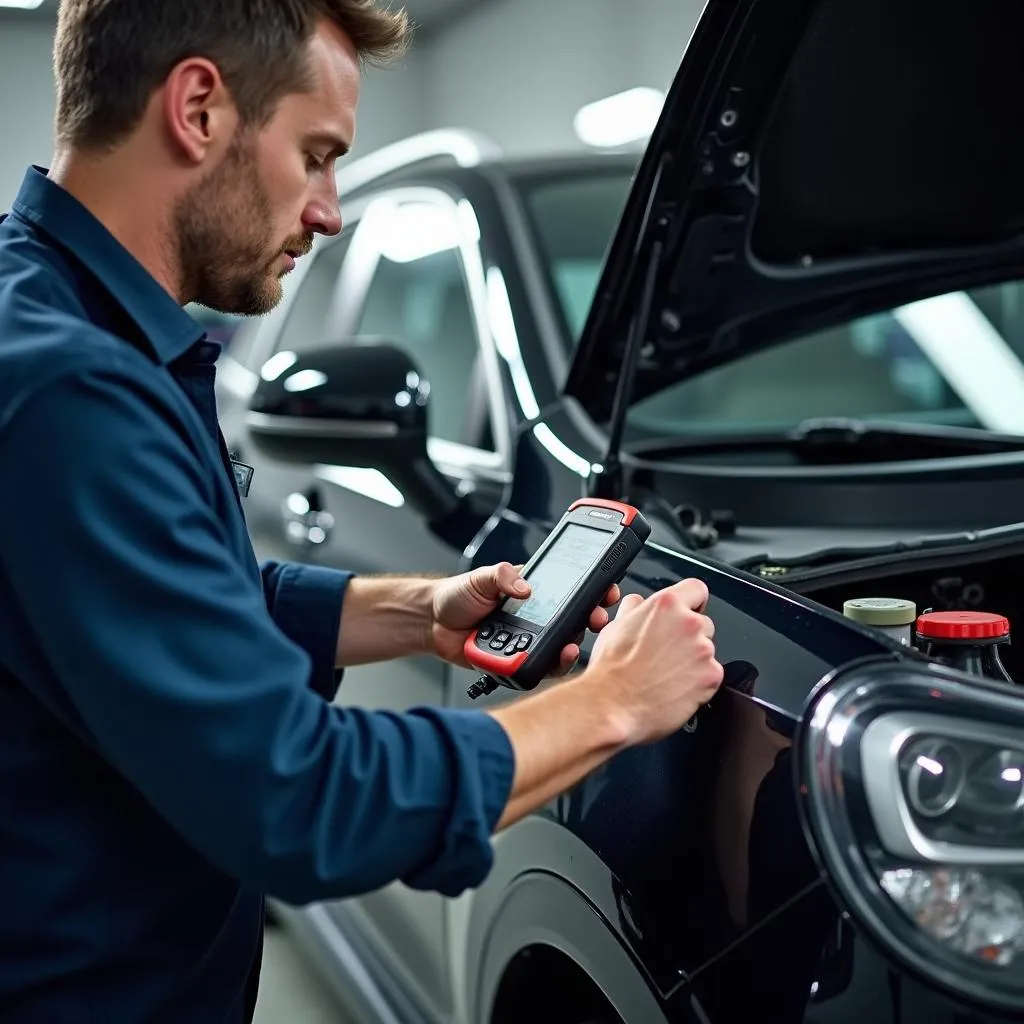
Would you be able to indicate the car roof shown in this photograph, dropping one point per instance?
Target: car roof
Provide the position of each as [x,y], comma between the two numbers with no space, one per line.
[445,166]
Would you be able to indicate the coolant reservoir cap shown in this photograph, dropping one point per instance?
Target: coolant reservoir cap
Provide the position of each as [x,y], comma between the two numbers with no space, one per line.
[880,611]
[962,625]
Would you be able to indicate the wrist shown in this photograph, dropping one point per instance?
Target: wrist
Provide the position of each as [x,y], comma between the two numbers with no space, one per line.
[424,597]
[418,594]
[613,725]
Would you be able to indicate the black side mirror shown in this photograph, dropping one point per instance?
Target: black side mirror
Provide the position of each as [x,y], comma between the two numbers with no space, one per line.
[359,403]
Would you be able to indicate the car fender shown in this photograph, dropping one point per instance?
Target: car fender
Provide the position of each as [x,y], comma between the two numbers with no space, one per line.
[567,898]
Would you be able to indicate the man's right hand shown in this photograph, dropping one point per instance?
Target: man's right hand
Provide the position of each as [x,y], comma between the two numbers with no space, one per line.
[651,668]
[655,663]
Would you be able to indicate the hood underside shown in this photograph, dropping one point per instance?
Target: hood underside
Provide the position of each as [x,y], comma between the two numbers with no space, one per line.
[816,160]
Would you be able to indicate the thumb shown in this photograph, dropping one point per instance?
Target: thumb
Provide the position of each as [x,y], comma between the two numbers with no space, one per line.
[495,581]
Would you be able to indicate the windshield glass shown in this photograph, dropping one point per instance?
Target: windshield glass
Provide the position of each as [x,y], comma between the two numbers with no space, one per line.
[956,359]
[953,360]
[574,217]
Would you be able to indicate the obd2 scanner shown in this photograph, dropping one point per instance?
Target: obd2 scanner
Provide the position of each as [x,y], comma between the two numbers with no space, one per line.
[588,551]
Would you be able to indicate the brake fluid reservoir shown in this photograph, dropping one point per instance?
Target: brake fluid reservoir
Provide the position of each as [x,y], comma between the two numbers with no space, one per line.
[968,641]
[890,615]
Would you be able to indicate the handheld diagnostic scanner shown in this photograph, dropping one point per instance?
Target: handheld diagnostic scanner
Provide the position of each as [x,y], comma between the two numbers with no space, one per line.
[587,552]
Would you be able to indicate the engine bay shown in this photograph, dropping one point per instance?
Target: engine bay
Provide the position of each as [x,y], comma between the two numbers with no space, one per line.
[987,585]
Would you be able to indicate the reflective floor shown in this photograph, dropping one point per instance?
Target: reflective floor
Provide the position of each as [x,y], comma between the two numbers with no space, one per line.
[289,992]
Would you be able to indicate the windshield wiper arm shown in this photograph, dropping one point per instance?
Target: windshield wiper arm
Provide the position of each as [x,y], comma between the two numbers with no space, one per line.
[840,432]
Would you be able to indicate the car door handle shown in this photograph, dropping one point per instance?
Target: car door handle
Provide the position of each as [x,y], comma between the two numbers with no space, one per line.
[306,524]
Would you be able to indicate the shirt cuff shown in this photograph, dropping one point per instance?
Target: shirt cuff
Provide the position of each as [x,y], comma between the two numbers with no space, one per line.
[483,762]
[306,601]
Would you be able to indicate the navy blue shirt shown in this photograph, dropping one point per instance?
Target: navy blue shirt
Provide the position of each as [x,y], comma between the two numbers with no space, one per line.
[168,749]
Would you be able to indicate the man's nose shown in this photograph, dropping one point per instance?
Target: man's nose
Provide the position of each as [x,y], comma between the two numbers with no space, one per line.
[323,213]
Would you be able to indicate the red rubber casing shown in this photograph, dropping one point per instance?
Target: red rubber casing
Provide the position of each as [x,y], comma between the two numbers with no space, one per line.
[496,664]
[628,512]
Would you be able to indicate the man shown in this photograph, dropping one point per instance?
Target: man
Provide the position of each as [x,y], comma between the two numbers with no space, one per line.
[168,749]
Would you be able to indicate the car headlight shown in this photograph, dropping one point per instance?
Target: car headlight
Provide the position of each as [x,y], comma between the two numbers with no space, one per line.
[912,786]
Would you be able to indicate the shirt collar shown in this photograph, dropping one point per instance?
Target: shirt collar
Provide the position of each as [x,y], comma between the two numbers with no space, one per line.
[169,330]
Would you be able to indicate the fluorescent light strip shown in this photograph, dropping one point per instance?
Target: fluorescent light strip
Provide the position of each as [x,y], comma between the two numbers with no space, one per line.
[619,120]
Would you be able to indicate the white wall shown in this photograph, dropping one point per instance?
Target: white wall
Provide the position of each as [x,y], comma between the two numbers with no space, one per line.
[26,103]
[518,70]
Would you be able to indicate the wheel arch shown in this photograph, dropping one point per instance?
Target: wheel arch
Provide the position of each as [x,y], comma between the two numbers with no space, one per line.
[539,910]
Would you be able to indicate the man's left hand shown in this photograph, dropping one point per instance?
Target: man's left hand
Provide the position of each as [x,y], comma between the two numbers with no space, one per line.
[460,602]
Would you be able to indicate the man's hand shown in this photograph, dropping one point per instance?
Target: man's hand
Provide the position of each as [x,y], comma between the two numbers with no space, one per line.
[651,669]
[460,602]
[657,665]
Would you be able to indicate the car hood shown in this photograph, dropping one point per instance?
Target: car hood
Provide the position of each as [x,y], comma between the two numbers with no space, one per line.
[815,160]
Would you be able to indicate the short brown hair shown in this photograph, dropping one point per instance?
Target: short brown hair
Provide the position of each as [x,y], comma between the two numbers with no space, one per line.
[110,55]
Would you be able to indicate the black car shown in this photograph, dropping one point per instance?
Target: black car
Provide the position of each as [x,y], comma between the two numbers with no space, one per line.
[801,353]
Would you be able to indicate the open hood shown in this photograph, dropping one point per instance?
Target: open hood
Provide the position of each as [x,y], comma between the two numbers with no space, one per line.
[816,160]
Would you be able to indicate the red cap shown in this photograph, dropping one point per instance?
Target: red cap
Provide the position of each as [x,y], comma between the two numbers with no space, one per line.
[962,625]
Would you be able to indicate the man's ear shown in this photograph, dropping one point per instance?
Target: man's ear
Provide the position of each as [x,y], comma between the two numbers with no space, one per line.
[197,109]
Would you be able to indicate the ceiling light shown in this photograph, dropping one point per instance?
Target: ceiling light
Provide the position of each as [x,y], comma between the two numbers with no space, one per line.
[620,119]
[22,5]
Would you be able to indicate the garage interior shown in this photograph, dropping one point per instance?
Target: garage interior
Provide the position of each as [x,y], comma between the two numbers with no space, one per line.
[749,321]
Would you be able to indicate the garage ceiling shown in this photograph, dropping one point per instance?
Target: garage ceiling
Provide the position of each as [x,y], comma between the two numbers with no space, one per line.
[428,15]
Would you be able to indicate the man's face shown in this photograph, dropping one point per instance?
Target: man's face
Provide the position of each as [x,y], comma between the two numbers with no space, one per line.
[240,229]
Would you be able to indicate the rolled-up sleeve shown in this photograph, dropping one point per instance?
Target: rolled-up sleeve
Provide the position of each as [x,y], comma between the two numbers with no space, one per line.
[306,603]
[162,653]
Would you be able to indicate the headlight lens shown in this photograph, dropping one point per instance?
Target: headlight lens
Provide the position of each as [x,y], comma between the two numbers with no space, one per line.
[913,787]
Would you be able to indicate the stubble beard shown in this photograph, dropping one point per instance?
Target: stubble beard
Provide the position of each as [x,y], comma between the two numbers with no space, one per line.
[226,263]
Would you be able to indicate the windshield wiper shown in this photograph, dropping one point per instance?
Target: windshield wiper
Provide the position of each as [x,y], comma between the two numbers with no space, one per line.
[837,439]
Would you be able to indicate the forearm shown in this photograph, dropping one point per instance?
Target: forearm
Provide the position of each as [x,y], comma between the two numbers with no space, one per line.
[385,617]
[559,737]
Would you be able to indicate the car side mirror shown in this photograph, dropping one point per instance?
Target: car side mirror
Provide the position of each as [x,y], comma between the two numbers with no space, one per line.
[362,403]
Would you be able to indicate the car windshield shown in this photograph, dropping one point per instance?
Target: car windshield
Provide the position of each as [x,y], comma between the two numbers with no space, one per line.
[956,359]
[575,216]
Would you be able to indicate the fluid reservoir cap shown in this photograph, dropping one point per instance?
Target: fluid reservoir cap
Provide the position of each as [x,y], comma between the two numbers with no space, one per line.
[962,625]
[880,611]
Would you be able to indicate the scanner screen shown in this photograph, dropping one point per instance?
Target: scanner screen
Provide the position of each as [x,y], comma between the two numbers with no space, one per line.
[559,571]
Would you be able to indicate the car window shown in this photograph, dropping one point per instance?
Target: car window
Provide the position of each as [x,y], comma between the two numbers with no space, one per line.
[574,216]
[419,299]
[314,317]
[953,360]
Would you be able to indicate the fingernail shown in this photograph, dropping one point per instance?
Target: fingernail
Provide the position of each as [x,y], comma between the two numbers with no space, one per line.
[521,587]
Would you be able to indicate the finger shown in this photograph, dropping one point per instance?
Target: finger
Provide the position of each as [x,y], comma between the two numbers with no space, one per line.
[707,627]
[598,620]
[613,597]
[570,655]
[694,592]
[629,604]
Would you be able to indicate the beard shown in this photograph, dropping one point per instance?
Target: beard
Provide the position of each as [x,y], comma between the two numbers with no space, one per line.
[227,261]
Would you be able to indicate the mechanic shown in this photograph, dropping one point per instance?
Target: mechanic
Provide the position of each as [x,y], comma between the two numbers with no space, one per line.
[169,749]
